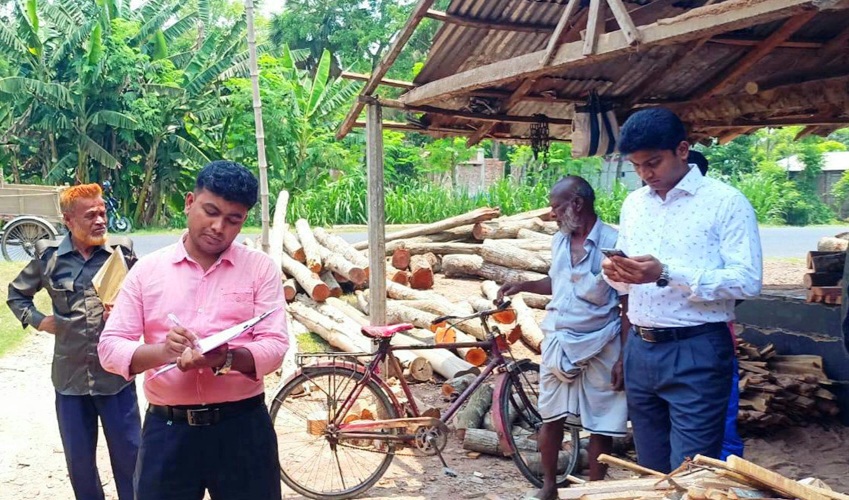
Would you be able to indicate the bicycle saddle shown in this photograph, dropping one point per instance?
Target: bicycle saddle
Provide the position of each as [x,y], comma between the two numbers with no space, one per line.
[383,332]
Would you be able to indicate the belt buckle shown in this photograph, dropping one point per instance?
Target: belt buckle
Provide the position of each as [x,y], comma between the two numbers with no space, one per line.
[646,334]
[201,417]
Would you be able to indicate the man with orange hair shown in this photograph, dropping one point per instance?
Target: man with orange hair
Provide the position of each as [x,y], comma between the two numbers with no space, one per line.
[84,390]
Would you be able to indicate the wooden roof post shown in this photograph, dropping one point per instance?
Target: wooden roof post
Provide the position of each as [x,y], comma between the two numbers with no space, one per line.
[376,212]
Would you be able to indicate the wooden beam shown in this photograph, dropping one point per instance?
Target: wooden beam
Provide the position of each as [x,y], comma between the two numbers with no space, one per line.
[805,132]
[555,38]
[835,47]
[409,127]
[470,22]
[384,81]
[778,37]
[383,66]
[467,115]
[595,26]
[752,42]
[774,122]
[518,94]
[623,19]
[693,25]
[376,214]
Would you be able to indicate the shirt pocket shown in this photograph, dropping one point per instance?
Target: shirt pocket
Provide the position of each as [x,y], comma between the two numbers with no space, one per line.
[237,304]
[61,292]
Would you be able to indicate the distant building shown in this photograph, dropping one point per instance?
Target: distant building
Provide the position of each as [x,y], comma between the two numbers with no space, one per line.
[475,175]
[834,164]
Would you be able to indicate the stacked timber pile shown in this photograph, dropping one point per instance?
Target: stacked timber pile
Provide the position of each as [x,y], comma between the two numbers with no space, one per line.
[776,391]
[702,479]
[825,270]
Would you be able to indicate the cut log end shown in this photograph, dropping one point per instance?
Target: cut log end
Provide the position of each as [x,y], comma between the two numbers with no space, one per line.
[476,356]
[320,292]
[401,258]
[289,290]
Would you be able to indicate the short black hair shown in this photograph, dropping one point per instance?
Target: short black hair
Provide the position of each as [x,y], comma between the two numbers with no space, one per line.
[699,160]
[653,128]
[229,180]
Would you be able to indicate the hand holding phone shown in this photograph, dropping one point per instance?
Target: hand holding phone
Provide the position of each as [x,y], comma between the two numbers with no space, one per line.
[610,252]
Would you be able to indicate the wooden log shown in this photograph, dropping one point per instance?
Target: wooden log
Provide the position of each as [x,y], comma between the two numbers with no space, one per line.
[504,229]
[399,313]
[332,284]
[821,279]
[397,275]
[535,300]
[310,245]
[327,329]
[458,266]
[310,281]
[290,289]
[341,247]
[420,248]
[401,258]
[342,266]
[826,262]
[475,216]
[774,480]
[531,333]
[456,386]
[542,213]
[399,292]
[362,302]
[434,261]
[443,362]
[294,328]
[419,370]
[534,463]
[486,441]
[471,416]
[445,308]
[348,310]
[530,234]
[625,464]
[513,257]
[831,244]
[293,247]
[421,273]
[278,229]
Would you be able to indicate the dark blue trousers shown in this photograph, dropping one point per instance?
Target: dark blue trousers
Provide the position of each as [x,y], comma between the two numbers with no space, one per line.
[233,459]
[119,416]
[678,395]
[732,444]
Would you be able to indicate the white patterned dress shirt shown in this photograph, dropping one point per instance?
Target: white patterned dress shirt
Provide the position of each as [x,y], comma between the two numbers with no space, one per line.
[706,232]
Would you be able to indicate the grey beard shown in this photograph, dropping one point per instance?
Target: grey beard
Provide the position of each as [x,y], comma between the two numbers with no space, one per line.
[568,228]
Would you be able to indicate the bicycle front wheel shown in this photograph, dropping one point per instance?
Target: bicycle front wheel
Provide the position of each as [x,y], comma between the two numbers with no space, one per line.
[316,461]
[519,411]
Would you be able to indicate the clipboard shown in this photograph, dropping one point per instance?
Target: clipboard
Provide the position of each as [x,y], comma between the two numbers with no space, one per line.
[207,344]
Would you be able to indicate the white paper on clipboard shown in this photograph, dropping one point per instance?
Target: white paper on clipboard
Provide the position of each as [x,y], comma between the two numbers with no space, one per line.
[207,344]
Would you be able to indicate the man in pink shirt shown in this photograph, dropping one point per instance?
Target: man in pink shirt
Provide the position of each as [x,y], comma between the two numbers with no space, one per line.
[207,426]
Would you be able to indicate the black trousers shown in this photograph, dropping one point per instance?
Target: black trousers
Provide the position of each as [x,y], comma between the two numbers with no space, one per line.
[233,459]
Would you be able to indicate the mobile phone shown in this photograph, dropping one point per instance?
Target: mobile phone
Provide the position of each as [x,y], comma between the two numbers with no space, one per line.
[610,252]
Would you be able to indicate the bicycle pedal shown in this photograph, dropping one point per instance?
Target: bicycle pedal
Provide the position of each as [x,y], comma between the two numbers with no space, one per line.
[449,472]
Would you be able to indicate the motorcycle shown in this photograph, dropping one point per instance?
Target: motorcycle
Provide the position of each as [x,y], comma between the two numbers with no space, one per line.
[117,222]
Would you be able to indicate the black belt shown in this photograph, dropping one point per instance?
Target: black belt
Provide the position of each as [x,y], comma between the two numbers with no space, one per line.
[676,333]
[199,415]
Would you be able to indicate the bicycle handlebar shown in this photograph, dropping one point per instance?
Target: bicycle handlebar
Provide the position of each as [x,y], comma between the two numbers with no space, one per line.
[505,303]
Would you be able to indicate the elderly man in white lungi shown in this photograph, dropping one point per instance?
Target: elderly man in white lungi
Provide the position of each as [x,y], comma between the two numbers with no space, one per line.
[581,369]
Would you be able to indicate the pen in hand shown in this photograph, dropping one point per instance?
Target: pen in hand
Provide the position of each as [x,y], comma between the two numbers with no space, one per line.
[176,322]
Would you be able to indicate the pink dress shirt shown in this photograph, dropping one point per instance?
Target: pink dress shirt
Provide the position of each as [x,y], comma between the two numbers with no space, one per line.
[243,283]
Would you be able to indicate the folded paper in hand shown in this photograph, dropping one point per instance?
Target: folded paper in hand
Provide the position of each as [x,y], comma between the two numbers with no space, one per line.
[207,344]
[107,282]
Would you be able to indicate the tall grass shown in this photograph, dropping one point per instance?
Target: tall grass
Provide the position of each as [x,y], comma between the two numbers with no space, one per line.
[344,202]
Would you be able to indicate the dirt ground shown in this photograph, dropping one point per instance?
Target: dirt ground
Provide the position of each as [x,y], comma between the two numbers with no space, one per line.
[32,463]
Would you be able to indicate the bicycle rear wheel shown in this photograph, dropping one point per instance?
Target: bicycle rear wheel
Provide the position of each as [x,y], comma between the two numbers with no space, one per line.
[519,410]
[314,462]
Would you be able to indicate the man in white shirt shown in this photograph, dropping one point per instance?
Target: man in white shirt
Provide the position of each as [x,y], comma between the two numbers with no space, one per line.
[693,249]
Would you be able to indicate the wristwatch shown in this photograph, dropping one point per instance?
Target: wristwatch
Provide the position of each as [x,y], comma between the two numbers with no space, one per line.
[663,279]
[225,368]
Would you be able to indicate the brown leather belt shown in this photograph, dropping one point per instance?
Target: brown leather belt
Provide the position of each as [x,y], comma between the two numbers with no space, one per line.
[655,335]
[201,415]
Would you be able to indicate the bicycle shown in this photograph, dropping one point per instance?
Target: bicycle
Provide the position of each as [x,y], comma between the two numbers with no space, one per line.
[339,424]
[117,223]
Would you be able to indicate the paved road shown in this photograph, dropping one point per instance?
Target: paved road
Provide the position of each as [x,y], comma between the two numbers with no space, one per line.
[778,242]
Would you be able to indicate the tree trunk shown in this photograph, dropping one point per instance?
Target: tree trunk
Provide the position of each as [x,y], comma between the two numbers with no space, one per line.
[258,124]
[327,329]
[293,330]
[471,417]
[342,266]
[529,234]
[399,292]
[434,261]
[495,229]
[401,258]
[477,215]
[149,166]
[486,441]
[445,308]
[531,333]
[421,277]
[290,289]
[362,303]
[419,370]
[311,246]
[310,281]
[339,246]
[513,257]
[332,284]
[397,276]
[459,266]
[456,385]
[420,248]
[293,247]
[399,313]
[443,362]
[278,229]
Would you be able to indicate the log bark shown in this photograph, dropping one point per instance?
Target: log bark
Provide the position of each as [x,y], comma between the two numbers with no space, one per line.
[511,256]
[342,266]
[421,273]
[490,289]
[821,279]
[310,244]
[419,248]
[310,282]
[401,258]
[535,300]
[445,308]
[397,276]
[475,216]
[278,229]
[293,247]
[333,285]
[471,417]
[530,234]
[826,262]
[541,213]
[443,362]
[339,246]
[456,385]
[531,333]
[327,329]
[831,244]
[350,311]
[458,266]
[290,289]
[486,441]
[362,303]
[294,328]
[399,292]
[399,313]
[504,229]
[534,462]
[434,261]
